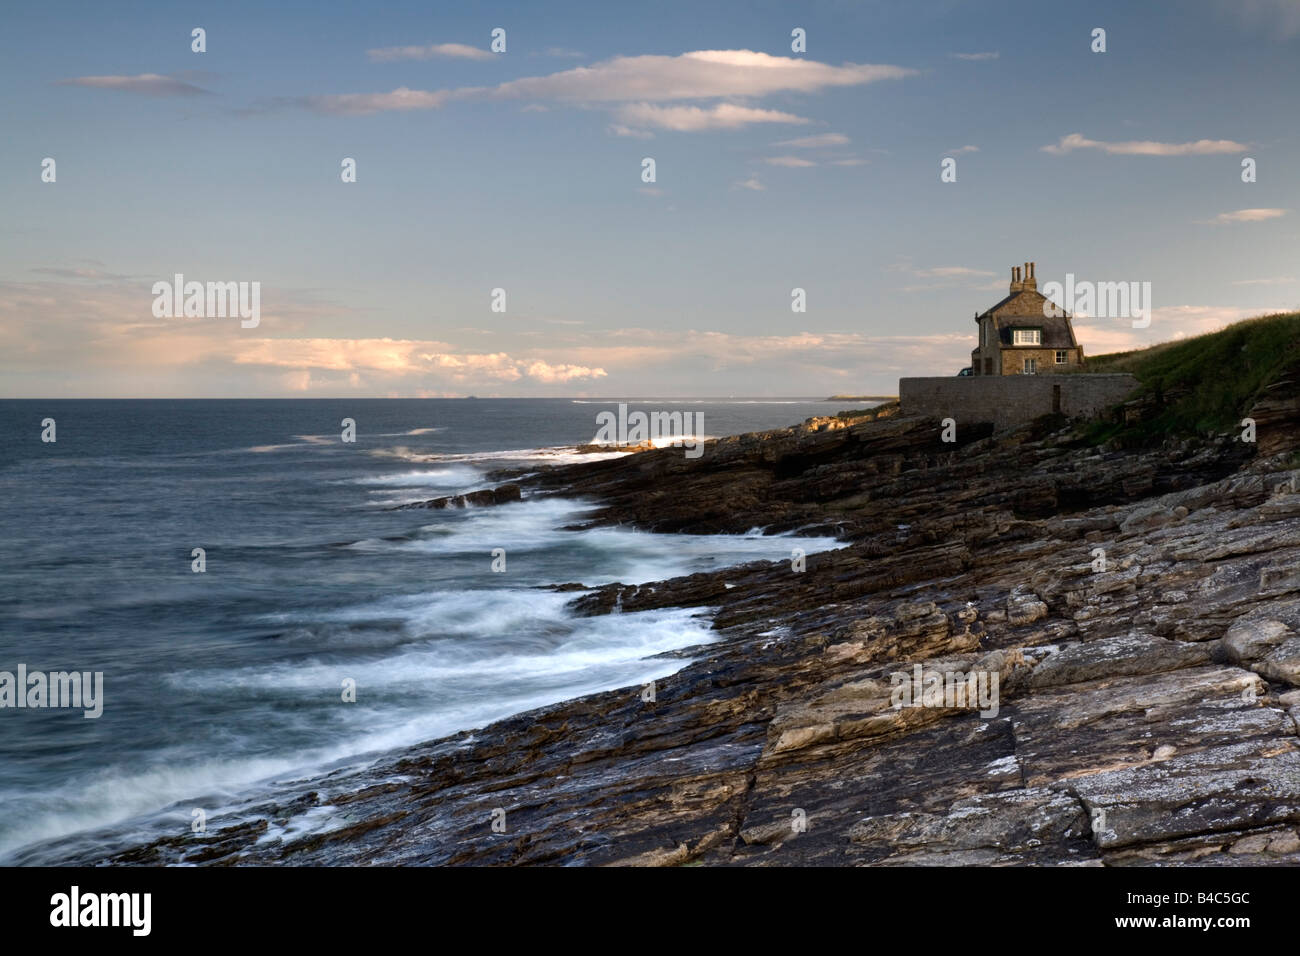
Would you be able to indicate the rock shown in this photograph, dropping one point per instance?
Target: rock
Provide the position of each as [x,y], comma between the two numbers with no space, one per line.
[1248,641]
[1133,723]
[489,496]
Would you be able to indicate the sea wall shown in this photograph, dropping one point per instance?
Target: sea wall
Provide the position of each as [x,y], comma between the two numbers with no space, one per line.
[1007,400]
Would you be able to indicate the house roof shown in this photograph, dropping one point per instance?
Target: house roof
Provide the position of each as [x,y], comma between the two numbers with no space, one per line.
[1020,302]
[1057,333]
[998,305]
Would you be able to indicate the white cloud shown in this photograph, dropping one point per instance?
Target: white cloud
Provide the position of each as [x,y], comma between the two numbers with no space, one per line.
[815,142]
[1243,215]
[148,84]
[963,149]
[791,161]
[1278,280]
[992,55]
[620,130]
[702,74]
[852,161]
[1169,323]
[544,372]
[357,104]
[690,119]
[1202,147]
[751,183]
[390,54]
[403,356]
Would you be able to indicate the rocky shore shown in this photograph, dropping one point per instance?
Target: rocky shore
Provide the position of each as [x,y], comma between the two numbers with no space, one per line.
[1139,608]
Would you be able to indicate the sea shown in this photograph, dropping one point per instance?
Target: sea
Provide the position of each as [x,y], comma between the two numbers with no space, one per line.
[228,671]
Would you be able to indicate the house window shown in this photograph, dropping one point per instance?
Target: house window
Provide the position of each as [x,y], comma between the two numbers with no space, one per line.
[1031,366]
[1027,337]
[1062,356]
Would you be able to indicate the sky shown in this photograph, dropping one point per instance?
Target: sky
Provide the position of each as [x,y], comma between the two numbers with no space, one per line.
[523,170]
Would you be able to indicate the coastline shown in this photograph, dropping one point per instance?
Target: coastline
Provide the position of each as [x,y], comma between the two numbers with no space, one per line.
[1147,712]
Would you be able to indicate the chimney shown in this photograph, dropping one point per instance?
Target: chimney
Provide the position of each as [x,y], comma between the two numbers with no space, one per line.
[1016,284]
[1031,282]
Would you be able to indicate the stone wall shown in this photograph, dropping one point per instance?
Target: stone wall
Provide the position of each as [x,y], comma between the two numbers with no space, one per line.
[1013,360]
[1007,400]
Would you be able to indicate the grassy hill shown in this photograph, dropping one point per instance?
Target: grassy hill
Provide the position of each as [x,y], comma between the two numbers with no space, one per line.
[1204,384]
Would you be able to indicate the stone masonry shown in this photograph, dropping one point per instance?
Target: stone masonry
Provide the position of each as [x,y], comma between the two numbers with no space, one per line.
[1008,400]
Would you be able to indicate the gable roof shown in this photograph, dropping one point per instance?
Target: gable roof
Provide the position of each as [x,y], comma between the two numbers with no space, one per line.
[1030,303]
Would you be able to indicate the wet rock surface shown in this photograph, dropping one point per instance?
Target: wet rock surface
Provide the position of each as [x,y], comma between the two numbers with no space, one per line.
[489,496]
[1139,611]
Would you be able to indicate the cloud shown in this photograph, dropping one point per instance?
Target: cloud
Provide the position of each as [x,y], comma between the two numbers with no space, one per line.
[941,276]
[147,84]
[791,161]
[963,149]
[1278,280]
[851,161]
[544,372]
[1168,323]
[815,142]
[1202,147]
[561,52]
[82,274]
[750,183]
[66,337]
[702,74]
[359,104]
[1279,18]
[620,130]
[390,54]
[951,272]
[403,356]
[992,55]
[1243,215]
[692,119]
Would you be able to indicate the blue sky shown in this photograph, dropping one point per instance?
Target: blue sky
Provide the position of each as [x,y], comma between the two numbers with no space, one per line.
[521,170]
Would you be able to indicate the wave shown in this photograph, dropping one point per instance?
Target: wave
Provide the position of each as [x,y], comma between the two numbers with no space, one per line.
[526,652]
[433,478]
[697,401]
[556,454]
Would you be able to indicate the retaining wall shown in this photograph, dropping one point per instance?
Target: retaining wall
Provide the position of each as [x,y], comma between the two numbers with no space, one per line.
[1007,400]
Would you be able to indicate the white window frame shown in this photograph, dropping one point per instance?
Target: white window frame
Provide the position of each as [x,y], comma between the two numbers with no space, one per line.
[1026,336]
[1062,356]
[1030,367]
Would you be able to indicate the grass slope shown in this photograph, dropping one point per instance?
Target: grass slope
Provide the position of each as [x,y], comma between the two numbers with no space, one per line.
[1205,384]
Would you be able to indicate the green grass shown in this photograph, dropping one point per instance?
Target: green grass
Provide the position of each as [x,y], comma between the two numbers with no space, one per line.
[1203,385]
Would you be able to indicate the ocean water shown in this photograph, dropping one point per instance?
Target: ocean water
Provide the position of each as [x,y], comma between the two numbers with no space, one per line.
[219,683]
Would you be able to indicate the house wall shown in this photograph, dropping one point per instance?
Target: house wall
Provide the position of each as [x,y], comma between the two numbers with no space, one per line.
[1007,400]
[1013,360]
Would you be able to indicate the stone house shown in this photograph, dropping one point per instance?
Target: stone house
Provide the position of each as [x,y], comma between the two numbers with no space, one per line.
[1025,334]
